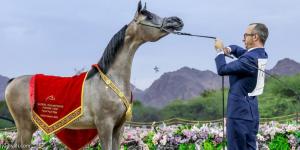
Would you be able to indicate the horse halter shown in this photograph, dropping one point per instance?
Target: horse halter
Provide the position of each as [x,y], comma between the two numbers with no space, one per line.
[161,27]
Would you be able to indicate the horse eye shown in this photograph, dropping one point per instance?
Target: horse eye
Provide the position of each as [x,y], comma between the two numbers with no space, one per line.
[149,17]
[147,14]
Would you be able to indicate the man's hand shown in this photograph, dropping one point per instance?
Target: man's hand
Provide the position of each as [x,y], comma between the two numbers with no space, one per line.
[219,45]
[227,50]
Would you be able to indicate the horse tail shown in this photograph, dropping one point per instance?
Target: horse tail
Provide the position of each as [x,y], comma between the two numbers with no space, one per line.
[10,80]
[7,83]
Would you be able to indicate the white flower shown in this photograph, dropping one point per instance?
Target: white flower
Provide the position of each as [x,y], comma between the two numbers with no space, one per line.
[260,138]
[156,138]
[163,141]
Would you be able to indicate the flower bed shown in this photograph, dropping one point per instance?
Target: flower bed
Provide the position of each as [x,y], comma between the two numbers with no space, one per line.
[271,136]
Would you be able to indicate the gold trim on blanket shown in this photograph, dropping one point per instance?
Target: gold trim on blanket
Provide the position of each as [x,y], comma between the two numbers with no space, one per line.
[61,123]
[58,124]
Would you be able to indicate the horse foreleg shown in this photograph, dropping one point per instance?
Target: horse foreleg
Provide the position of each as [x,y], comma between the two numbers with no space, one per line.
[105,131]
[117,135]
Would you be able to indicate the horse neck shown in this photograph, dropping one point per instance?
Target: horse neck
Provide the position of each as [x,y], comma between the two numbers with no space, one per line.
[120,70]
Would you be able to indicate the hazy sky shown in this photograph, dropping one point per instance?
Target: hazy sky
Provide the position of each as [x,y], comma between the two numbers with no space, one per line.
[57,36]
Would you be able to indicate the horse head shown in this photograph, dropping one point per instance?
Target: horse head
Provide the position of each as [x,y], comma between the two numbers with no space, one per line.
[147,26]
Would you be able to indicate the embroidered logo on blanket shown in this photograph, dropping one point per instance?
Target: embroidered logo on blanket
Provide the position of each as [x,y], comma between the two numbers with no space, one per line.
[56,102]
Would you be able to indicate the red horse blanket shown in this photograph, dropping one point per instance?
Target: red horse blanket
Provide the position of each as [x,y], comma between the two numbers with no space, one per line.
[56,102]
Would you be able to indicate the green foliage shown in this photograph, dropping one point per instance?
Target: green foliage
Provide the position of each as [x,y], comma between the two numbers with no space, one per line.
[187,146]
[125,147]
[46,138]
[98,147]
[148,140]
[5,113]
[286,88]
[181,109]
[144,114]
[181,128]
[199,108]
[278,98]
[297,135]
[208,145]
[208,93]
[280,141]
[221,145]
[5,124]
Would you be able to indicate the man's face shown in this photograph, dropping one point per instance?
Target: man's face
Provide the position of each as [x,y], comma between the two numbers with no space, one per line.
[248,37]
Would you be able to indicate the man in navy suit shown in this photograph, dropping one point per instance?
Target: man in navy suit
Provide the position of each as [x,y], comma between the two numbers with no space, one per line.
[246,77]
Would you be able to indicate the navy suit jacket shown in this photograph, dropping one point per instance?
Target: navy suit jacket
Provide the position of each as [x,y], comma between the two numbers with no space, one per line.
[242,80]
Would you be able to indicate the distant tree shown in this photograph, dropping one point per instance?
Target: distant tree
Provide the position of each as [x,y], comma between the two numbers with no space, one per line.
[144,114]
[4,113]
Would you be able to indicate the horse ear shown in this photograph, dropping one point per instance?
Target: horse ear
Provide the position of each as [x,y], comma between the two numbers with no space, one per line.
[145,6]
[139,7]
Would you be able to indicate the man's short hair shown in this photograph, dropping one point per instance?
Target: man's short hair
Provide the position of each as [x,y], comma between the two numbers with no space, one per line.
[262,31]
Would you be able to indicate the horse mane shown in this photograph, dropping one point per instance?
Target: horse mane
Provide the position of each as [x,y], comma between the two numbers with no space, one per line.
[110,52]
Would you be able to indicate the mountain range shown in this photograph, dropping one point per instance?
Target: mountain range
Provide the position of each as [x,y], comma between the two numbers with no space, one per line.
[285,67]
[186,83]
[182,84]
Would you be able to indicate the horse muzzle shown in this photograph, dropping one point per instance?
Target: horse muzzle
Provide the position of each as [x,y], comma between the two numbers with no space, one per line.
[172,24]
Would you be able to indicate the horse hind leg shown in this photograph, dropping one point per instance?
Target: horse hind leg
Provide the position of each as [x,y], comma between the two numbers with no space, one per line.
[24,135]
[17,99]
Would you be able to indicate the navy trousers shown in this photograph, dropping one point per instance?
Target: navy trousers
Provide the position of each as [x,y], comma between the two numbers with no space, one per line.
[241,134]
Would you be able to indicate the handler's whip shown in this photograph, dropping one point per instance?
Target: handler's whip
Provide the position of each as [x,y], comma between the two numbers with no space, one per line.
[223,109]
